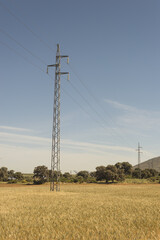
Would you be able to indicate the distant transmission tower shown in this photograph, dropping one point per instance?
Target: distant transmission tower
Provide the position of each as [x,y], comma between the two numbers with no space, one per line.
[139,158]
[55,156]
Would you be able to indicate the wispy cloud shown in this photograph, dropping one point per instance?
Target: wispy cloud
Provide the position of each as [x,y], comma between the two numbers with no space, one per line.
[24,159]
[94,147]
[21,138]
[15,129]
[24,152]
[120,105]
[135,117]
[26,139]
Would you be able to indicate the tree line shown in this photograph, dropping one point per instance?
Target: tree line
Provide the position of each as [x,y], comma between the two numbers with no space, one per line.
[10,175]
[109,174]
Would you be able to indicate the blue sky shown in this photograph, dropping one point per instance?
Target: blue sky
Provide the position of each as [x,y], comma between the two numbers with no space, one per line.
[114,59]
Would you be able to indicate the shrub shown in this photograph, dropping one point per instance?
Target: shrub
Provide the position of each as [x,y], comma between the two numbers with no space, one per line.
[29,179]
[12,181]
[75,180]
[154,179]
[38,181]
[23,181]
[80,179]
[91,180]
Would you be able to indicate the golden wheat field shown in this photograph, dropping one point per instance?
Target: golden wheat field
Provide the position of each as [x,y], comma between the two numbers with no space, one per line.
[80,212]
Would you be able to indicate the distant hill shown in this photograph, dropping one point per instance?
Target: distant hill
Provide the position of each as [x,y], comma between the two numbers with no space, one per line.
[153,163]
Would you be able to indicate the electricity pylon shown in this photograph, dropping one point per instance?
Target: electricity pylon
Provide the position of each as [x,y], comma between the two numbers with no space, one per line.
[139,159]
[55,156]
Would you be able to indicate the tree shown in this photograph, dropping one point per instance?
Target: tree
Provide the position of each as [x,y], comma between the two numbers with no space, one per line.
[111,173]
[3,174]
[153,172]
[18,176]
[11,174]
[93,174]
[146,173]
[84,174]
[120,175]
[110,176]
[118,165]
[100,173]
[136,173]
[67,175]
[80,179]
[41,174]
[112,168]
[54,175]
[126,166]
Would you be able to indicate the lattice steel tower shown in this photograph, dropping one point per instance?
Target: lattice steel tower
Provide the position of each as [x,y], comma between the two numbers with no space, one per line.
[139,159]
[55,156]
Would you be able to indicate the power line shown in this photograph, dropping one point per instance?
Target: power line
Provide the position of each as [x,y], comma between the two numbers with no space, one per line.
[26,59]
[36,66]
[9,36]
[83,109]
[44,71]
[46,44]
[89,106]
[13,39]
[93,118]
[26,26]
[97,102]
[84,98]
[113,130]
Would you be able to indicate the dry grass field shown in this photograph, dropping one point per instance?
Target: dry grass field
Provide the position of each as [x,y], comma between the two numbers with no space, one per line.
[80,212]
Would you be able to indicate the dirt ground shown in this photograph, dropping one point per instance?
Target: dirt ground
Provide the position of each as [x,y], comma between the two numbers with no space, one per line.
[15,185]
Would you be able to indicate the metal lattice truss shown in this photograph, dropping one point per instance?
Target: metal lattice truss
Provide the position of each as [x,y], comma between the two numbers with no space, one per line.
[55,156]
